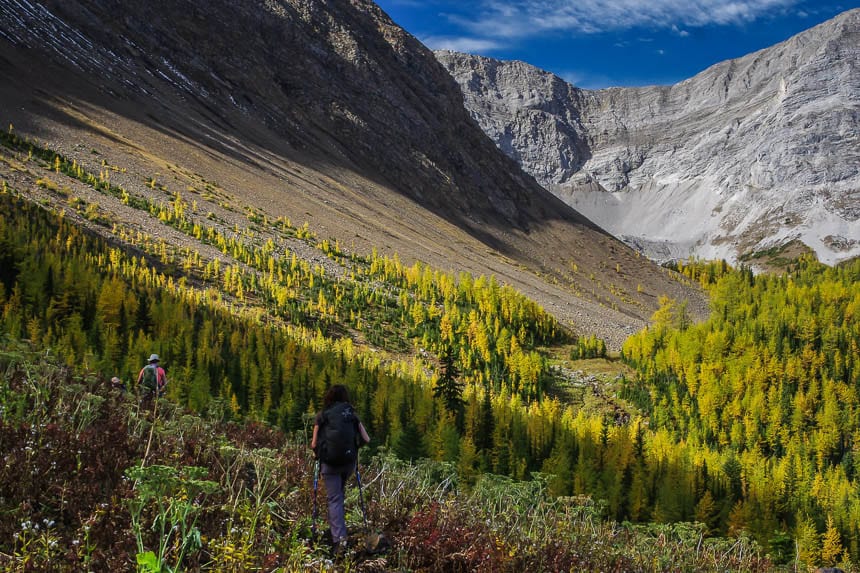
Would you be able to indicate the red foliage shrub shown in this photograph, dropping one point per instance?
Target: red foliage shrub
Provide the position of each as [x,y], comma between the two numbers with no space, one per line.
[439,540]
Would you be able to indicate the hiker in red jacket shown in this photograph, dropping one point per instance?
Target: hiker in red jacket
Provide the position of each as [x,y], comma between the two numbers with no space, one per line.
[152,378]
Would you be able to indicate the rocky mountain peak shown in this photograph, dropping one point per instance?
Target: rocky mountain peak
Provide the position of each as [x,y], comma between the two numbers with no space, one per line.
[748,155]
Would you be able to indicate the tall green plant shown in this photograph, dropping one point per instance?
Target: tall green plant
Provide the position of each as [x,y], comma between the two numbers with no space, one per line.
[167,501]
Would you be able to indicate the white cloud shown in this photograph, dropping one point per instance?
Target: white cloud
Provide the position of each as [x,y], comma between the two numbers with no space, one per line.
[586,80]
[573,78]
[589,80]
[525,18]
[464,45]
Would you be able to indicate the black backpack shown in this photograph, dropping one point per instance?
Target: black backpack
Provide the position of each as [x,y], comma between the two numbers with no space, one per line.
[338,435]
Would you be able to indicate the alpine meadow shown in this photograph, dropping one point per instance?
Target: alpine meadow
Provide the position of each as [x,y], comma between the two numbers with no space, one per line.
[275,197]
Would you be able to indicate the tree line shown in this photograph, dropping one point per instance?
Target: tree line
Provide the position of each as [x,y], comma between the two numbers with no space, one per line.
[747,422]
[765,393]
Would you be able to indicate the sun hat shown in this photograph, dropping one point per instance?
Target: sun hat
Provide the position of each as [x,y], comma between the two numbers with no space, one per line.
[154,358]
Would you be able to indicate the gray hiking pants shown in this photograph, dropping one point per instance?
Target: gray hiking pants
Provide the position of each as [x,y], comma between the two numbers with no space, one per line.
[335,478]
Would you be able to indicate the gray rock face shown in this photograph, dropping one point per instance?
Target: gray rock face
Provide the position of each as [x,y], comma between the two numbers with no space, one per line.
[749,154]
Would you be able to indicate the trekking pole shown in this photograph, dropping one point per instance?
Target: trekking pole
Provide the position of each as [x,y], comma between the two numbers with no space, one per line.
[361,497]
[316,487]
[151,431]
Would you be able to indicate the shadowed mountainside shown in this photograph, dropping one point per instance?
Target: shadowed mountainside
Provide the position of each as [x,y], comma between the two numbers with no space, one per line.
[324,112]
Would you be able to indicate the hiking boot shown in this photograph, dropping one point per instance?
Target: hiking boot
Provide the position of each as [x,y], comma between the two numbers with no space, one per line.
[341,547]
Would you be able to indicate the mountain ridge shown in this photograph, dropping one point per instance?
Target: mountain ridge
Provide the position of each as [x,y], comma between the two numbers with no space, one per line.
[322,112]
[662,166]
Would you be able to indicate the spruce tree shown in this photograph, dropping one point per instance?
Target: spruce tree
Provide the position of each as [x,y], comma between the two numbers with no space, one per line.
[410,444]
[448,387]
[485,424]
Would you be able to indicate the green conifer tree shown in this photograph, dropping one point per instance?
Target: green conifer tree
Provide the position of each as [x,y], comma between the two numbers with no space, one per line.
[448,387]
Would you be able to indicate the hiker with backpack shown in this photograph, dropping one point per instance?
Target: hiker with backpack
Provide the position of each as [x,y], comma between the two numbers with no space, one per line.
[152,378]
[117,384]
[335,442]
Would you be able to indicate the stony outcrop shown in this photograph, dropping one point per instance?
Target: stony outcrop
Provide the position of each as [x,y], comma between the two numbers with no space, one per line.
[748,155]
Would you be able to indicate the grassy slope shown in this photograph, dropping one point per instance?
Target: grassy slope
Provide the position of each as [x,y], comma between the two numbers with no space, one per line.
[67,502]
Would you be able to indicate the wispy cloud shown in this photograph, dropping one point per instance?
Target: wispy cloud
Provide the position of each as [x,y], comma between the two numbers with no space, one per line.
[525,18]
[588,80]
[591,80]
[462,44]
[679,31]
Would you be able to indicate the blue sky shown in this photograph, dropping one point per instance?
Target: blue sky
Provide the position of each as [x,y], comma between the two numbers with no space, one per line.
[601,43]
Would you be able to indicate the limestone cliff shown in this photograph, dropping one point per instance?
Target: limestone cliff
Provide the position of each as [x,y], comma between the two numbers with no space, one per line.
[750,154]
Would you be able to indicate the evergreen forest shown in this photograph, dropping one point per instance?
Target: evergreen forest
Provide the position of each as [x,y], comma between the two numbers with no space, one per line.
[746,424]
